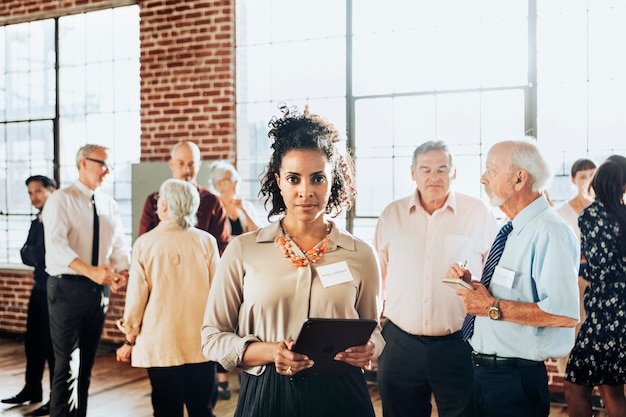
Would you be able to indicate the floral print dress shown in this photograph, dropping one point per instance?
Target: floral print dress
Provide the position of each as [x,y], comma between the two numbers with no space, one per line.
[599,355]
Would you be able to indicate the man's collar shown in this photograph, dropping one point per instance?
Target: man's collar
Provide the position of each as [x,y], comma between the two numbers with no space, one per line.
[530,212]
[416,203]
[84,189]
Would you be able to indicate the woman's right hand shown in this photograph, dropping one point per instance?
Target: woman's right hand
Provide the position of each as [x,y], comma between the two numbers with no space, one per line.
[287,362]
[123,353]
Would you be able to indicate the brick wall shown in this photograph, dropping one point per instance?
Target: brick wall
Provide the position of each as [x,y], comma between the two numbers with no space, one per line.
[187,92]
[187,77]
[15,289]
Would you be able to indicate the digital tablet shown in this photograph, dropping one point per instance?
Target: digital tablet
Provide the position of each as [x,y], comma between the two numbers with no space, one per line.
[322,339]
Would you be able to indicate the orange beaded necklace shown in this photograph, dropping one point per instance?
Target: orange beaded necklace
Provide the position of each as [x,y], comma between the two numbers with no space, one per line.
[311,256]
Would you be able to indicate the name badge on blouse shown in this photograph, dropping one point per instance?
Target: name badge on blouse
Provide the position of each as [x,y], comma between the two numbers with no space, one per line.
[334,274]
[503,277]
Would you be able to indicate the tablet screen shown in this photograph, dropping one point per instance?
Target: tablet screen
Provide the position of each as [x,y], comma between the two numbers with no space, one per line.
[322,339]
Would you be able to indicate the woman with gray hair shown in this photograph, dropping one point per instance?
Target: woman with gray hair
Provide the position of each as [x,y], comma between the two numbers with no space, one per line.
[223,182]
[170,276]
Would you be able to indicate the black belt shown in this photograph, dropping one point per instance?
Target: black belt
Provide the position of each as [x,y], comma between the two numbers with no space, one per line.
[458,335]
[493,361]
[452,336]
[73,277]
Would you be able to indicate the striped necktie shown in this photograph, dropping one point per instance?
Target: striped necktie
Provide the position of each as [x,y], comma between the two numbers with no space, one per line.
[495,253]
[95,247]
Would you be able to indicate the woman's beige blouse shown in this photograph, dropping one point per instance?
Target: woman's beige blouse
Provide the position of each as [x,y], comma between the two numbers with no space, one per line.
[258,295]
[169,280]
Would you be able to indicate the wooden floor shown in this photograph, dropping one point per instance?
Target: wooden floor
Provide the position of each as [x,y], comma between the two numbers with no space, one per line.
[117,389]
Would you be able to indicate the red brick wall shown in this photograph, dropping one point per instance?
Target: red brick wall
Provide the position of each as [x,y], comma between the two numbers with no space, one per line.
[187,93]
[15,289]
[188,77]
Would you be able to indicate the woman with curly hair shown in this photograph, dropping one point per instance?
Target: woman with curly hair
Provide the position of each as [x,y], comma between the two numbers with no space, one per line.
[599,355]
[268,282]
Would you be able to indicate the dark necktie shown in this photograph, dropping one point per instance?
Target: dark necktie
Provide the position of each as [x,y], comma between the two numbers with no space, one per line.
[95,248]
[495,253]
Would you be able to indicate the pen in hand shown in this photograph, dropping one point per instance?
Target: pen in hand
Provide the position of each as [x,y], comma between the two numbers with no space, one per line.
[464,267]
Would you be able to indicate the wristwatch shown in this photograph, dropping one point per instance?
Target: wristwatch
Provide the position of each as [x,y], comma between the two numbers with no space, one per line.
[494,311]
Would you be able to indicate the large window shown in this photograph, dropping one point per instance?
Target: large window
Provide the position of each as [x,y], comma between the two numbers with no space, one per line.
[401,72]
[283,58]
[65,82]
[432,70]
[581,72]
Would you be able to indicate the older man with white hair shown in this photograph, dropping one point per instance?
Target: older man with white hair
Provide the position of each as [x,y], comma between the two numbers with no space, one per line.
[526,306]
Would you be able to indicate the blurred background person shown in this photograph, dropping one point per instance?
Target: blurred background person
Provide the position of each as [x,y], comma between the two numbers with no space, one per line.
[581,174]
[87,257]
[37,343]
[184,163]
[268,282]
[170,276]
[223,182]
[599,354]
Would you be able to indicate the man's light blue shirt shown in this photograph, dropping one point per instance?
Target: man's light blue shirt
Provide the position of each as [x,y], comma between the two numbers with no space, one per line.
[543,253]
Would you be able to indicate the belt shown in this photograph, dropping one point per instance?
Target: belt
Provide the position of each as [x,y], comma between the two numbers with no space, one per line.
[452,336]
[458,335]
[80,278]
[493,361]
[72,277]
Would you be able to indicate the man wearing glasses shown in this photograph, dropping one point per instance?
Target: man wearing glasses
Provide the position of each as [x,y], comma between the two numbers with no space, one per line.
[87,255]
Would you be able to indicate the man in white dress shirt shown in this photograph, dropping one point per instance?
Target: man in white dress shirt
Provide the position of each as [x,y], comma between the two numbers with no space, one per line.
[416,237]
[86,254]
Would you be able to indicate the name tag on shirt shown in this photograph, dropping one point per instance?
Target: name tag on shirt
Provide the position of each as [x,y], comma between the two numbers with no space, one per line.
[334,274]
[503,277]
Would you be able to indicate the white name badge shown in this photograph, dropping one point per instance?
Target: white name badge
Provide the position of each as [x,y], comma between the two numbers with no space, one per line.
[334,274]
[503,277]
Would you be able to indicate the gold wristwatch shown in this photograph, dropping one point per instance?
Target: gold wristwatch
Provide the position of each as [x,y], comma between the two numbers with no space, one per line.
[494,311]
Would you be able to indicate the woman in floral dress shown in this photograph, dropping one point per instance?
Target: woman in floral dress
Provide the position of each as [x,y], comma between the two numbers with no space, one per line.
[599,355]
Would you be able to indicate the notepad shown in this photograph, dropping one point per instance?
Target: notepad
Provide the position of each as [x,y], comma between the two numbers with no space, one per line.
[457,283]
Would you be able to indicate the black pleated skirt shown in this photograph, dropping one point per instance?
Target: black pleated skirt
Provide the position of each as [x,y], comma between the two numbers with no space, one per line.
[274,395]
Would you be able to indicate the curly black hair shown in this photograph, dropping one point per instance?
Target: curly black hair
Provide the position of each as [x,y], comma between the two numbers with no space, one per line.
[294,131]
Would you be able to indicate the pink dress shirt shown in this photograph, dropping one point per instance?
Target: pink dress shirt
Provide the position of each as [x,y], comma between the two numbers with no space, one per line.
[416,249]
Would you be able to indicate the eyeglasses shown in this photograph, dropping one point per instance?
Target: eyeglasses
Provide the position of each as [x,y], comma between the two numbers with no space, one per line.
[105,166]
